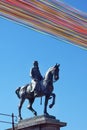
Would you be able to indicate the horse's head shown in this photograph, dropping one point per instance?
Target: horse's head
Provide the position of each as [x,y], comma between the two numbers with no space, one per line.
[56,72]
[53,73]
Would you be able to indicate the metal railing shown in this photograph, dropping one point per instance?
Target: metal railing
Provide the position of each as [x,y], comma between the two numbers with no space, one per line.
[10,122]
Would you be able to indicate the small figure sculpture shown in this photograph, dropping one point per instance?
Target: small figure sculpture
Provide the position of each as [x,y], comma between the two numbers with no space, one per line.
[38,87]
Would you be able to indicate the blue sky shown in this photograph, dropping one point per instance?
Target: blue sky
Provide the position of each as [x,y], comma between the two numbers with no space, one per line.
[19,47]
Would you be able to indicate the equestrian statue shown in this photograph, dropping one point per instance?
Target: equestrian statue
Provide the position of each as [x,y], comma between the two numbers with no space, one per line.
[38,87]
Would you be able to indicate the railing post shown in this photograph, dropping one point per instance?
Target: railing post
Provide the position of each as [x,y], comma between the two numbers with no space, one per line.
[13,122]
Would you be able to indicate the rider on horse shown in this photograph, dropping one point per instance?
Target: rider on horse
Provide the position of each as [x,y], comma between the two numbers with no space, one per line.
[36,77]
[46,88]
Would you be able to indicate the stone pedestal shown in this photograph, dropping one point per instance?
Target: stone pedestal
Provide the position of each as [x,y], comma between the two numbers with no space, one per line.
[40,123]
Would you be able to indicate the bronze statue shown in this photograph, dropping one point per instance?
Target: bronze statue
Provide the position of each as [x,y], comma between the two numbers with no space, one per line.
[46,89]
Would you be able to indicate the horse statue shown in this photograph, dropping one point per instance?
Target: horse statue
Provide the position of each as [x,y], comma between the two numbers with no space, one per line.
[27,92]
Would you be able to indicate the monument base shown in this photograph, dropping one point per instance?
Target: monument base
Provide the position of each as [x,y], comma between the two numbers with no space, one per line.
[40,123]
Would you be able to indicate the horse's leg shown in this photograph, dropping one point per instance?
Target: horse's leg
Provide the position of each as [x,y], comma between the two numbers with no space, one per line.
[19,107]
[31,100]
[53,101]
[45,105]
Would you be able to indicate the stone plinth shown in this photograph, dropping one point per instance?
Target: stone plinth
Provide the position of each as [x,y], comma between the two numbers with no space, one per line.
[40,123]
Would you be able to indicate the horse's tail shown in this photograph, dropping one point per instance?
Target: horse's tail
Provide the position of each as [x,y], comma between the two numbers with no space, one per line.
[17,92]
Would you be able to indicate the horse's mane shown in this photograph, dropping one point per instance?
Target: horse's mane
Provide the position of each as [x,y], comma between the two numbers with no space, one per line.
[48,71]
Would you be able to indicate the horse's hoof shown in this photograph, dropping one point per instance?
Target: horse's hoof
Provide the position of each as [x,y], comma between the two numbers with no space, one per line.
[51,105]
[20,118]
[35,113]
[46,114]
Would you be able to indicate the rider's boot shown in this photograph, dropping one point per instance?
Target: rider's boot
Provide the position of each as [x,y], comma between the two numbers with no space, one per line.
[35,93]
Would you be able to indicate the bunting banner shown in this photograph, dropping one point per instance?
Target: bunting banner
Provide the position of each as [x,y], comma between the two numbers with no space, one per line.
[52,17]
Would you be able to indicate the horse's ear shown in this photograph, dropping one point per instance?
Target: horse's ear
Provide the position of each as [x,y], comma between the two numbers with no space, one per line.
[57,65]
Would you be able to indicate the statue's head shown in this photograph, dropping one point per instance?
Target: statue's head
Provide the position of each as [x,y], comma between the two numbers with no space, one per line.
[35,63]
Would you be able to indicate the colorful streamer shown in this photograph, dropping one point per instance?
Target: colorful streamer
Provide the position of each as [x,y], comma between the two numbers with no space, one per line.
[49,16]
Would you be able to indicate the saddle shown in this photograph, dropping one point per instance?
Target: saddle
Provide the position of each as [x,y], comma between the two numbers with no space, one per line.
[39,87]
[31,87]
